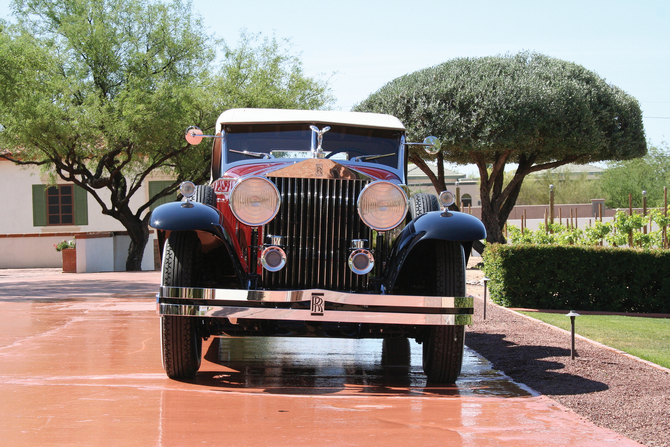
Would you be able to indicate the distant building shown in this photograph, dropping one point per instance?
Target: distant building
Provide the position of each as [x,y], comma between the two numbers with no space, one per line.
[592,172]
[419,182]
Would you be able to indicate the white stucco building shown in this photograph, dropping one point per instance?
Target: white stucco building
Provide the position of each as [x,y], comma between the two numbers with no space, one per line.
[35,218]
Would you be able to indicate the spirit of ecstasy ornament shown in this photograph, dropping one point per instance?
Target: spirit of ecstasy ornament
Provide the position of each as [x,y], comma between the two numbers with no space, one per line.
[319,135]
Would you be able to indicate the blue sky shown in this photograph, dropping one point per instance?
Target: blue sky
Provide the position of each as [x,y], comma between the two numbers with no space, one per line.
[361,45]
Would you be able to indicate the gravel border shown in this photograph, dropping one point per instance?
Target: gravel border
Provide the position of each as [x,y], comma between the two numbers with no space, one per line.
[610,388]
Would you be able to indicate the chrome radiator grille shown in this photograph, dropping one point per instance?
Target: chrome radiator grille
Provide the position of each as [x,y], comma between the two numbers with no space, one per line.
[318,218]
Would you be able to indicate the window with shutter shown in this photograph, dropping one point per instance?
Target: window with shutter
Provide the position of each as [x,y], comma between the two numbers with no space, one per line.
[156,187]
[39,206]
[59,205]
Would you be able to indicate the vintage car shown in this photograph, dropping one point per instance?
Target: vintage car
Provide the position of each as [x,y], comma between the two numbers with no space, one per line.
[306,229]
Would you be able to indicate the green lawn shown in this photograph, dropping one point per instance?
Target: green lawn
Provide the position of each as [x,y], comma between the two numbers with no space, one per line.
[647,338]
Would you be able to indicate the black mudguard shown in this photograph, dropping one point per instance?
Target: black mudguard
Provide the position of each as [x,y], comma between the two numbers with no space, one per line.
[184,216]
[436,225]
[194,216]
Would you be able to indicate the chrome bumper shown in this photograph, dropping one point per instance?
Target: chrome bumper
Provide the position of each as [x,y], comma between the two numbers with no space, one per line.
[314,305]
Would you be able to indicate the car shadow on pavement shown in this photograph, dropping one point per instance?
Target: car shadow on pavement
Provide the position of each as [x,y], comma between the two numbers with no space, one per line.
[287,373]
[79,287]
[538,367]
[323,367]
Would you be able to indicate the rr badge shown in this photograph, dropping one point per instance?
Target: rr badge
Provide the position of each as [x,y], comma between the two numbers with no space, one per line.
[318,304]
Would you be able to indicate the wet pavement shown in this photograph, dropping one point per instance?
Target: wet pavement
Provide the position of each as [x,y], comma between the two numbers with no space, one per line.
[80,365]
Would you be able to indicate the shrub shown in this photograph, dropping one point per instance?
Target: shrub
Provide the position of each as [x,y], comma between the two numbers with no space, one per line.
[580,278]
[62,245]
[624,230]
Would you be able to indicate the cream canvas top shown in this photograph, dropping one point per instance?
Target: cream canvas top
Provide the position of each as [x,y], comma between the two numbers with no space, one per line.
[358,119]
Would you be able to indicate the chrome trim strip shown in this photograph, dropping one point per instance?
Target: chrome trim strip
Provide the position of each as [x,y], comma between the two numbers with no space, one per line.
[235,313]
[329,296]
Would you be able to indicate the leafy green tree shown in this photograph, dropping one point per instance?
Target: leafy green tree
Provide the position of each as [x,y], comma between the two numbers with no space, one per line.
[99,93]
[262,72]
[650,173]
[530,109]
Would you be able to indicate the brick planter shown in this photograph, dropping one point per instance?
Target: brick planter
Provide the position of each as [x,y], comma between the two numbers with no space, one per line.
[69,260]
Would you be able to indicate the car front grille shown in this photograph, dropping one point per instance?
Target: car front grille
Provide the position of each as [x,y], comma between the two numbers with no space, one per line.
[318,219]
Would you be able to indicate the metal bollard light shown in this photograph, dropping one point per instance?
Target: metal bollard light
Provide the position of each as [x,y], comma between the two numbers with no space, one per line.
[486,280]
[572,314]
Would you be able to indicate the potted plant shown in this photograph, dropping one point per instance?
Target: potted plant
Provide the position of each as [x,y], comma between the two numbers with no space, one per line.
[67,248]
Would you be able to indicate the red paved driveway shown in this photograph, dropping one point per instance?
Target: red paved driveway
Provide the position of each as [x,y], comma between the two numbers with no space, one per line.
[80,365]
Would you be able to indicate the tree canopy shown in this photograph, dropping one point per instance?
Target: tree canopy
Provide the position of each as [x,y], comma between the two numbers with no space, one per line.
[100,92]
[530,109]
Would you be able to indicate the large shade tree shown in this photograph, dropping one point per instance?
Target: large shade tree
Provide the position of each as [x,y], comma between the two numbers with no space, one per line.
[530,109]
[100,92]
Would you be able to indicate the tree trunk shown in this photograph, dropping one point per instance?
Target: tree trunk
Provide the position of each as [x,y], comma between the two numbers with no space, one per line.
[489,193]
[138,230]
[493,226]
[138,240]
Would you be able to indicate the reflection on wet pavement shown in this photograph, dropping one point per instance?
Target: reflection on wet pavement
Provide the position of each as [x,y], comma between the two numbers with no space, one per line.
[88,373]
[329,366]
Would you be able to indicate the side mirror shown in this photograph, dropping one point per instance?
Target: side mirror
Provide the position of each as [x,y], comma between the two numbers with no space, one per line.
[194,135]
[432,145]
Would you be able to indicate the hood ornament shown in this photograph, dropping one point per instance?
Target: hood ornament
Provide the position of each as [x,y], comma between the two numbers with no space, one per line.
[318,153]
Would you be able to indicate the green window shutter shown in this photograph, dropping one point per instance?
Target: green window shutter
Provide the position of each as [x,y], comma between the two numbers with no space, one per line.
[39,206]
[158,186]
[80,206]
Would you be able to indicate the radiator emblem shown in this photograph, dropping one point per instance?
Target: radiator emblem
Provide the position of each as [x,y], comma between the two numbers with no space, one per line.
[318,304]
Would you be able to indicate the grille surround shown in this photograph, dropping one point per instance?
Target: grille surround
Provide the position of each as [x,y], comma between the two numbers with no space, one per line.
[319,219]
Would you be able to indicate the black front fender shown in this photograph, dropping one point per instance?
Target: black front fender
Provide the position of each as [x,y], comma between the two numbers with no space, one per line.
[195,216]
[449,226]
[435,225]
[184,216]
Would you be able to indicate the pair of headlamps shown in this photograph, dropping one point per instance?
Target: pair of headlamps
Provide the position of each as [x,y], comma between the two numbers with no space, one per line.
[382,205]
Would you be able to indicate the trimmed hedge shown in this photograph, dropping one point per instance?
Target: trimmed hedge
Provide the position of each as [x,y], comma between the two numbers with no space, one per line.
[579,278]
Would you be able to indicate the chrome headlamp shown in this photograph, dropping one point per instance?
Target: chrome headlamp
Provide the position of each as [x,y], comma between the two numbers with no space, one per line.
[254,201]
[187,189]
[382,205]
[446,199]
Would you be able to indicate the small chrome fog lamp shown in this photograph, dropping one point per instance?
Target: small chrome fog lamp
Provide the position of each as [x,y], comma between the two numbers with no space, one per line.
[361,261]
[273,256]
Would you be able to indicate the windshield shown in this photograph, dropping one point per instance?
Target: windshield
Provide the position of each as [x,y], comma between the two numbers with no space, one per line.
[297,140]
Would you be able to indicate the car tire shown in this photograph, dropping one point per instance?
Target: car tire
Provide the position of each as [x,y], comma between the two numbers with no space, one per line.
[443,346]
[396,352]
[422,203]
[181,343]
[204,194]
